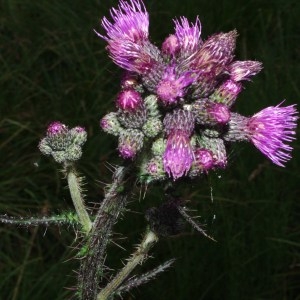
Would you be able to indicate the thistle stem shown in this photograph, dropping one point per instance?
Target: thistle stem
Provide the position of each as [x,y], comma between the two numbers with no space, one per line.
[138,257]
[114,202]
[75,191]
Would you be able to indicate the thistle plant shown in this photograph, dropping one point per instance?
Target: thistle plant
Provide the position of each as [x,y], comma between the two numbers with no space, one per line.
[174,119]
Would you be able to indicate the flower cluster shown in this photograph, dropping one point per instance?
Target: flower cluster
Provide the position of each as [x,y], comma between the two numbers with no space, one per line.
[62,143]
[177,99]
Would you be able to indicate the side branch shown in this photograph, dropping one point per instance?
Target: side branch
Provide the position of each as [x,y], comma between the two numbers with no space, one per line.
[148,241]
[75,191]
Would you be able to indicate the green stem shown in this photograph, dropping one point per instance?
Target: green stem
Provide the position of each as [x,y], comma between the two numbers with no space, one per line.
[75,191]
[138,257]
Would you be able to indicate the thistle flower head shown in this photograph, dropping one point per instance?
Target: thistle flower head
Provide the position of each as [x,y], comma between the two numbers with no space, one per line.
[62,143]
[130,22]
[129,100]
[188,35]
[178,156]
[243,70]
[271,129]
[127,37]
[172,86]
[215,53]
[178,98]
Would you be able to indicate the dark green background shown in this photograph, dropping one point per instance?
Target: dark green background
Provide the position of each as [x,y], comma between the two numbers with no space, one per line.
[53,67]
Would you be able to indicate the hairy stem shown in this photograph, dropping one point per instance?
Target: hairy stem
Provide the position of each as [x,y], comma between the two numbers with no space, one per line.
[68,218]
[75,191]
[114,202]
[138,257]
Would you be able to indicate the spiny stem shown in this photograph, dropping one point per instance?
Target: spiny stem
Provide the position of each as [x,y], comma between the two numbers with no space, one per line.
[138,257]
[114,202]
[144,278]
[68,218]
[75,191]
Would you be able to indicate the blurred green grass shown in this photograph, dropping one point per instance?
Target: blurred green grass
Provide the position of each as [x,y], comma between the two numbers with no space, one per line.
[53,67]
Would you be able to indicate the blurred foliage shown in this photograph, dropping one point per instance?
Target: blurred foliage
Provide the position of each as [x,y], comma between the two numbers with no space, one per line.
[53,67]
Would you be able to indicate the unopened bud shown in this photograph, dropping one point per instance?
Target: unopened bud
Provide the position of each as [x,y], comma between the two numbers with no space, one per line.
[227,92]
[130,143]
[152,127]
[110,124]
[129,100]
[158,147]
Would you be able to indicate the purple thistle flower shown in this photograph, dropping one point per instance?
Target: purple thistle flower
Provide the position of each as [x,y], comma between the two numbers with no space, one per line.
[173,86]
[134,57]
[178,156]
[215,53]
[243,70]
[127,37]
[188,35]
[129,100]
[130,22]
[171,45]
[271,128]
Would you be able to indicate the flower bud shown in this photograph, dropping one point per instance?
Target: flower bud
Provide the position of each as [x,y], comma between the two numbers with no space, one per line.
[182,120]
[217,147]
[204,158]
[210,113]
[243,70]
[178,156]
[129,100]
[63,144]
[227,92]
[158,147]
[215,53]
[74,152]
[152,106]
[172,86]
[130,143]
[110,124]
[56,128]
[155,168]
[152,127]
[133,119]
[78,135]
